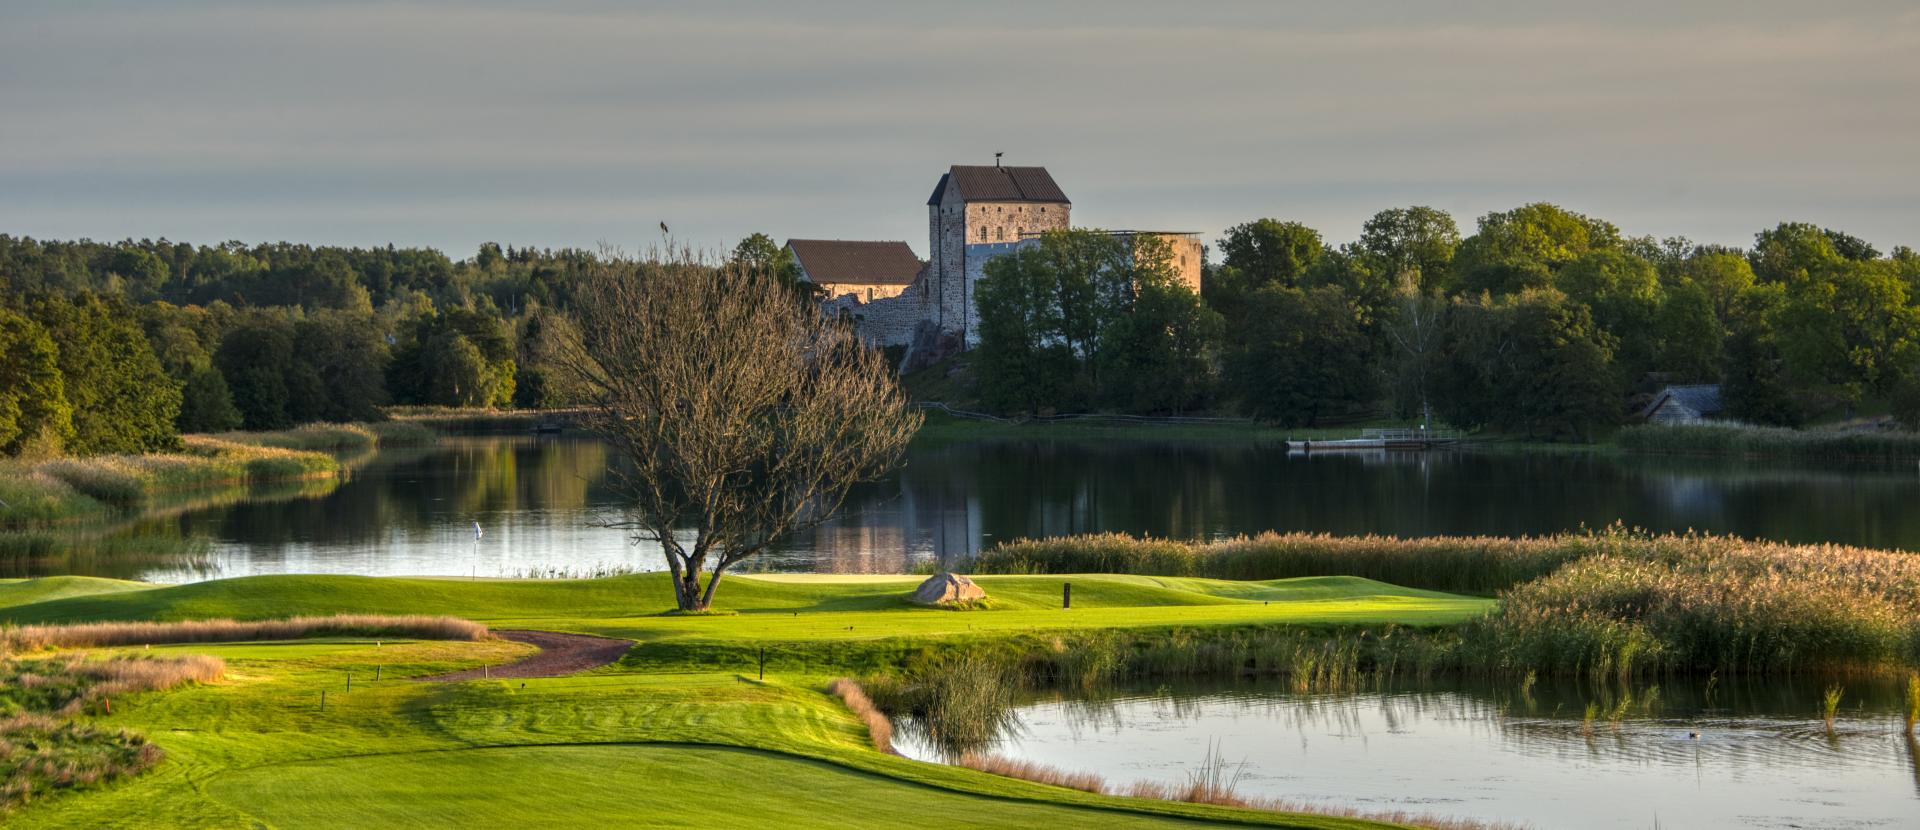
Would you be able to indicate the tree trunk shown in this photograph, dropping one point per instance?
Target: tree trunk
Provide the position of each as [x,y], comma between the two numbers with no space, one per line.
[706,600]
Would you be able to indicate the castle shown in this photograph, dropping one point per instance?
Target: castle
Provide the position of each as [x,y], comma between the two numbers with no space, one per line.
[976,213]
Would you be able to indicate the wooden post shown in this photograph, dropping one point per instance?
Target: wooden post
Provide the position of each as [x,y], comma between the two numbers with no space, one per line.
[323,700]
[376,673]
[108,702]
[763,662]
[486,672]
[1066,595]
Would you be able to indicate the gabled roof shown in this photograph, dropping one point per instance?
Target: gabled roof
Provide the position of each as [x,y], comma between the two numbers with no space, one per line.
[1000,184]
[863,263]
[1703,398]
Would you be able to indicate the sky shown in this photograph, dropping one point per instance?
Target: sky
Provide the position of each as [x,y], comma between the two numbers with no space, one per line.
[571,124]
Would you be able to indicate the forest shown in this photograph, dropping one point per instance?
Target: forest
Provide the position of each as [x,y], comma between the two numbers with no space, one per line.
[1543,322]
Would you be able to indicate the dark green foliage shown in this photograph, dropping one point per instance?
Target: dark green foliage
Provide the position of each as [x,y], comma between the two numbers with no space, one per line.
[1301,355]
[1258,254]
[1414,240]
[1025,364]
[1525,247]
[459,357]
[1082,318]
[1754,385]
[1532,363]
[347,357]
[1686,334]
[33,400]
[1623,293]
[206,404]
[121,398]
[1154,338]
[257,360]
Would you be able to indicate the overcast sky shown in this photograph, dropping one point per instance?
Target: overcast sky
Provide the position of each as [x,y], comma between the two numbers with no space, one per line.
[567,124]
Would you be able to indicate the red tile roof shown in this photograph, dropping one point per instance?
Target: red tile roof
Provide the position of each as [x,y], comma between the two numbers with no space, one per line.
[860,263]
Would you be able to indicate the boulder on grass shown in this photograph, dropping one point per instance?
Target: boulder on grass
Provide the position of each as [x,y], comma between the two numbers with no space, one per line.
[948,589]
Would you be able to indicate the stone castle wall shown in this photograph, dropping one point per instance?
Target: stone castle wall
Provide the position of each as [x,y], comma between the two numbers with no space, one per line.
[954,227]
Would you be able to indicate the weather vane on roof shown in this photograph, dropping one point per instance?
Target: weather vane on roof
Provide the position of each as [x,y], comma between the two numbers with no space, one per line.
[996,159]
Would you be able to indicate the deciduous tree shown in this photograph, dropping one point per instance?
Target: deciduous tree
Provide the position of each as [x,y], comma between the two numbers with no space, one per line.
[743,413]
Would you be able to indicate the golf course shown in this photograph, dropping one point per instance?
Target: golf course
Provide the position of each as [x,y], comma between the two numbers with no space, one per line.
[711,719]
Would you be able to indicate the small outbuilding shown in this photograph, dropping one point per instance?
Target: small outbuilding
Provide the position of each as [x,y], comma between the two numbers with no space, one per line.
[1684,404]
[867,270]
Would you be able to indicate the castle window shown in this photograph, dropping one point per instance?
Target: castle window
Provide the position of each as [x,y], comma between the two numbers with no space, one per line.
[983,233]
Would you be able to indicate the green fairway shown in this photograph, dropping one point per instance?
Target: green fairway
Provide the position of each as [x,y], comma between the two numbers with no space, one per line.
[663,739]
[767,607]
[604,786]
[28,591]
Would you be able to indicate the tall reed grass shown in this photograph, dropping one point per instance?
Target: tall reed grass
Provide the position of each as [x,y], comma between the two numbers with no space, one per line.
[43,750]
[1741,439]
[1610,603]
[41,756]
[1656,604]
[1468,564]
[66,684]
[879,727]
[105,634]
[73,489]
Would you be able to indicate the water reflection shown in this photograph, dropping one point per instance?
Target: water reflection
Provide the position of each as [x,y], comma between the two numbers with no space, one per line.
[411,511]
[1684,754]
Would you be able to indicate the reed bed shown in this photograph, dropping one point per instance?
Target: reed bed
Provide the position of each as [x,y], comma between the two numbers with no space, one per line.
[1610,603]
[324,437]
[1215,783]
[1466,564]
[67,684]
[44,750]
[879,727]
[71,489]
[31,497]
[1679,604]
[1742,439]
[108,634]
[41,756]
[445,419]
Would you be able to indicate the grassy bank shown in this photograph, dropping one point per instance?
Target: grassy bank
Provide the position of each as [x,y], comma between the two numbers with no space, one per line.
[1614,603]
[69,490]
[1739,439]
[688,706]
[482,421]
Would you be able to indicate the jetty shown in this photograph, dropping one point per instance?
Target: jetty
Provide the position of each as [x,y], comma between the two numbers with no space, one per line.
[1379,440]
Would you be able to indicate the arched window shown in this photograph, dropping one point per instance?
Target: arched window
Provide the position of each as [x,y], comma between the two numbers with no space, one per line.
[983,233]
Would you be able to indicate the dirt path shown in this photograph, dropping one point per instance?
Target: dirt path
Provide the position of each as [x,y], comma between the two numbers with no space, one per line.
[559,654]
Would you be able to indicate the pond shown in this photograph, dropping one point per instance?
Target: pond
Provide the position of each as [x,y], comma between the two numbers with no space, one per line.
[539,504]
[1689,755]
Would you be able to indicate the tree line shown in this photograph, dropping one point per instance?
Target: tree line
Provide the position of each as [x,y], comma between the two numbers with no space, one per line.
[120,347]
[1543,321]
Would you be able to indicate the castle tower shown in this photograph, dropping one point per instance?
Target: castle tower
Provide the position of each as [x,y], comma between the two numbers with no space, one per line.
[985,210]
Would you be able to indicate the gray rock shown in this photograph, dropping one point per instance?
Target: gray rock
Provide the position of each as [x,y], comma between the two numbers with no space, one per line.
[947,589]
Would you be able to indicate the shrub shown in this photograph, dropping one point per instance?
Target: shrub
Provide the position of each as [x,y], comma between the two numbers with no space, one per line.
[101,634]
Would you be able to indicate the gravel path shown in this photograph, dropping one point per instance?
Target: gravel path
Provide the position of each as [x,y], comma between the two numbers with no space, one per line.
[559,654]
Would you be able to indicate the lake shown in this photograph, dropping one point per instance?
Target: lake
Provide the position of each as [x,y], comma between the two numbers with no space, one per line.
[539,500]
[1762,757]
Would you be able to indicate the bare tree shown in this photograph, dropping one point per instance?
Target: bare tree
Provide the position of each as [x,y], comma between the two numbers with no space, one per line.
[746,414]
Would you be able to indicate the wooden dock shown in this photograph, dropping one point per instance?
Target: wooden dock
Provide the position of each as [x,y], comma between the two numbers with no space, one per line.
[1380,440]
